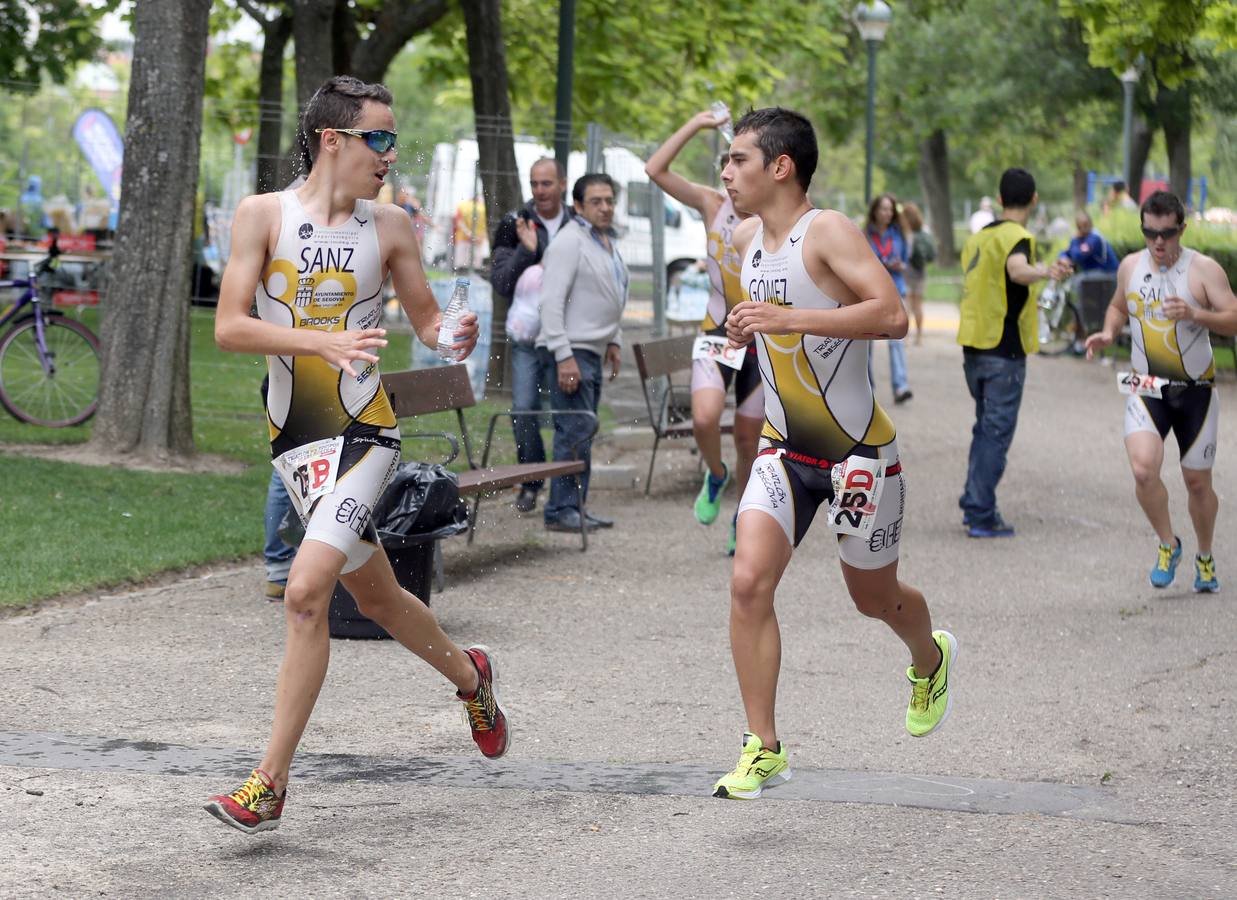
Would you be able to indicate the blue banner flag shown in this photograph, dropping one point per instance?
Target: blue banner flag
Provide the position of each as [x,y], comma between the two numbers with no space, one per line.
[96,134]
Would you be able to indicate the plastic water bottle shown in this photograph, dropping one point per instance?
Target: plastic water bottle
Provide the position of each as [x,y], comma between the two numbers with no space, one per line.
[721,110]
[451,320]
[1167,289]
[1048,296]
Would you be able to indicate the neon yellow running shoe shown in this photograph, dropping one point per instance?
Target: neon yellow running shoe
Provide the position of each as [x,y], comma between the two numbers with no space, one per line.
[930,697]
[709,500]
[758,768]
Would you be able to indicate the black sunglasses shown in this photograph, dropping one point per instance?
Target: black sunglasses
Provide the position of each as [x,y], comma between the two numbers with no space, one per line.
[378,140]
[1167,233]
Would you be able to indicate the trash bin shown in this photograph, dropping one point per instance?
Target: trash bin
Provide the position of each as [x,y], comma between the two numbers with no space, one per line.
[421,505]
[413,565]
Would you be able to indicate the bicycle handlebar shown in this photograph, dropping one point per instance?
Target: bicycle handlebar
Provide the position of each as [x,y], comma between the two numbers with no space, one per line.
[53,251]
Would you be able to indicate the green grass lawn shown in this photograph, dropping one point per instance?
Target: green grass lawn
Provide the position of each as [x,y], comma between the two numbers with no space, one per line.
[944,283]
[73,528]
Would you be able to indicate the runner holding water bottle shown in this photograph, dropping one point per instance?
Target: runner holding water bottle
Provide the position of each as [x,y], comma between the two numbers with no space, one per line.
[715,367]
[314,260]
[1172,298]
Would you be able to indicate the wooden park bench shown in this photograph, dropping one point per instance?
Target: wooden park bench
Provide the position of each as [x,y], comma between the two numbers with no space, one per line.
[670,416]
[447,388]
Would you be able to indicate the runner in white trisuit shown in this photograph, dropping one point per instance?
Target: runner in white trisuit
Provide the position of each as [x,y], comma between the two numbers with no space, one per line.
[1172,298]
[314,260]
[816,295]
[711,378]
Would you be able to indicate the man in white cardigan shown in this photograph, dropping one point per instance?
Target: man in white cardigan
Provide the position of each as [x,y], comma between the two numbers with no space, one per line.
[583,292]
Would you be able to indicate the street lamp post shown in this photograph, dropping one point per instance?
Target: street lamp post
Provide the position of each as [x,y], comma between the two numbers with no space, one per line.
[566,67]
[1129,80]
[872,20]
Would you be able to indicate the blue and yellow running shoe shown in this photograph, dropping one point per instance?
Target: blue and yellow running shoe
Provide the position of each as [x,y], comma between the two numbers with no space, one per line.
[709,500]
[758,768]
[1205,581]
[1165,569]
[931,699]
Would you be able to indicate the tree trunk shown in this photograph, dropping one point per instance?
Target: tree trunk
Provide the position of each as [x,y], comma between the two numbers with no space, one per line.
[397,24]
[270,101]
[315,63]
[144,387]
[500,180]
[1080,186]
[934,179]
[1174,113]
[315,50]
[1140,150]
[343,38]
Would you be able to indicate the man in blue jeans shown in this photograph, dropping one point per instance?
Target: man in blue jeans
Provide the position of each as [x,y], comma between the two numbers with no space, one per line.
[276,555]
[516,273]
[583,292]
[998,328]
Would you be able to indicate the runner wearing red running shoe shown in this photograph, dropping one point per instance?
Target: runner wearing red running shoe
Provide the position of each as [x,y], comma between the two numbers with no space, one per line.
[314,260]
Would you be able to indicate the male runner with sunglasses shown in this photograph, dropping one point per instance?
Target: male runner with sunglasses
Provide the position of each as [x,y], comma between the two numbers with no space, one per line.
[1172,297]
[314,260]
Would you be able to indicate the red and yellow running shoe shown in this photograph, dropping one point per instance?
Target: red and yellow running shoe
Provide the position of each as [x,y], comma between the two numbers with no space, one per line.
[485,717]
[252,807]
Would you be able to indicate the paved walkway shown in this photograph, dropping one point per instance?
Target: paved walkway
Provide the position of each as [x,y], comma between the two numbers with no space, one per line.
[1091,751]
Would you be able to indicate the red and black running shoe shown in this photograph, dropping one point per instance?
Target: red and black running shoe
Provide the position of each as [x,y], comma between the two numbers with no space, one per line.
[252,807]
[485,717]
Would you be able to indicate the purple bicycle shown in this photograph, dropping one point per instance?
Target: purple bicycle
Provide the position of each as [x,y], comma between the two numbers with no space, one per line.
[49,364]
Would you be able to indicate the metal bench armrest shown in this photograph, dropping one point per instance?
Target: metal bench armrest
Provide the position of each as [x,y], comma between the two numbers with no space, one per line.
[444,435]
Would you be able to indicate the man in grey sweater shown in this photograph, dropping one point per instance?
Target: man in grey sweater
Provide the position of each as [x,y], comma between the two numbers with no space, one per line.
[583,292]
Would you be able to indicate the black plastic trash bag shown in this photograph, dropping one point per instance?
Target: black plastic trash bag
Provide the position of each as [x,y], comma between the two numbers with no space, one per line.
[421,503]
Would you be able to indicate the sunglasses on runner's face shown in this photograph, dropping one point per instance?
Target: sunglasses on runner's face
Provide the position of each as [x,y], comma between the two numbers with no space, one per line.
[379,141]
[1167,233]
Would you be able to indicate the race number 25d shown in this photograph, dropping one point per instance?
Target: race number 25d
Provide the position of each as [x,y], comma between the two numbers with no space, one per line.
[857,486]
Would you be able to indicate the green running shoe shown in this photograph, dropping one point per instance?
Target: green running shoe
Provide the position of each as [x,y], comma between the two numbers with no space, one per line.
[1205,581]
[758,768]
[733,540]
[930,697]
[709,500]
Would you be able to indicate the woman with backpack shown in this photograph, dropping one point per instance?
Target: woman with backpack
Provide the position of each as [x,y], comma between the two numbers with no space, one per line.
[923,251]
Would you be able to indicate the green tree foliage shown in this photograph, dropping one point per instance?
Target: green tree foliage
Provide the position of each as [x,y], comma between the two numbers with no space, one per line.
[640,68]
[1177,37]
[49,37]
[1180,43]
[1009,83]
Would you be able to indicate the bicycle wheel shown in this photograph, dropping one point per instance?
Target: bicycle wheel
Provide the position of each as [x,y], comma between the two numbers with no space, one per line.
[64,393]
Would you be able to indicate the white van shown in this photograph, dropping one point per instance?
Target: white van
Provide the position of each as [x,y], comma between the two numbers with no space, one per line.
[453,179]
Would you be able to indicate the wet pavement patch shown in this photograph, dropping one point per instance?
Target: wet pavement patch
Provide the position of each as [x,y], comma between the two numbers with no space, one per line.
[978,795]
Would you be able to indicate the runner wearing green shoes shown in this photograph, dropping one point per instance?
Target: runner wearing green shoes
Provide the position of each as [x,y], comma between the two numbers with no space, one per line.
[715,366]
[816,297]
